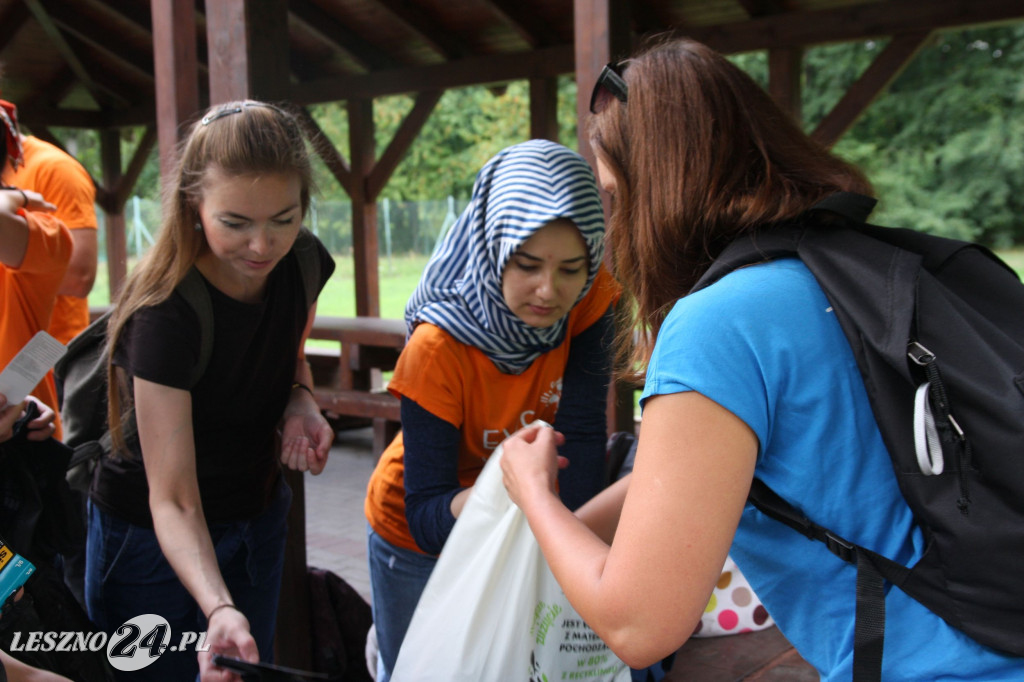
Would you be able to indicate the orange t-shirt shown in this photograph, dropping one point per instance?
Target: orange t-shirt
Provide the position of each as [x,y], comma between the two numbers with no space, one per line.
[461,385]
[27,293]
[63,182]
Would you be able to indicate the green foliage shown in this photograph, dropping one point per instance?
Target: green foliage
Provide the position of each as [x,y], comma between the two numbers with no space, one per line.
[944,145]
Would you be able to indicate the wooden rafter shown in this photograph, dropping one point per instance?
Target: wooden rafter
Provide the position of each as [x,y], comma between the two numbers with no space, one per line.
[12,21]
[368,57]
[764,8]
[854,22]
[57,38]
[652,16]
[523,22]
[49,93]
[545,62]
[74,23]
[882,71]
[444,42]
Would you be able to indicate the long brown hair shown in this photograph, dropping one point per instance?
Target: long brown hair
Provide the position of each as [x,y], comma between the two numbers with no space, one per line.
[700,154]
[233,139]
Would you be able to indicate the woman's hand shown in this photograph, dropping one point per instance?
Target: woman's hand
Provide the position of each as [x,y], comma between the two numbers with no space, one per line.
[530,462]
[8,416]
[43,426]
[26,199]
[40,428]
[227,634]
[305,436]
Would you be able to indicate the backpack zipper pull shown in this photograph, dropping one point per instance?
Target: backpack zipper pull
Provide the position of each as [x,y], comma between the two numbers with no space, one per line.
[923,357]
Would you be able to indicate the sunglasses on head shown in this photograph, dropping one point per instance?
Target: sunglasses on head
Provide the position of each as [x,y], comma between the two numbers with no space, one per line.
[609,84]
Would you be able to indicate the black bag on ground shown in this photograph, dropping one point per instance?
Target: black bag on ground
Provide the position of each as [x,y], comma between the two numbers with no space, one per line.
[937,329]
[340,619]
[41,520]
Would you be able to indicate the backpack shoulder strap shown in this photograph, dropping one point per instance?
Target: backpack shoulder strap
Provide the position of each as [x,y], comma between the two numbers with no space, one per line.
[308,256]
[193,288]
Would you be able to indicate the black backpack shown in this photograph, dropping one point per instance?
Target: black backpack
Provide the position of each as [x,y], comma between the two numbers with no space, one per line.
[937,329]
[81,374]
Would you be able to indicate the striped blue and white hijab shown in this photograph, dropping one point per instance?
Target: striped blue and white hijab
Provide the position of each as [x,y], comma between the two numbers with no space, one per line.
[516,193]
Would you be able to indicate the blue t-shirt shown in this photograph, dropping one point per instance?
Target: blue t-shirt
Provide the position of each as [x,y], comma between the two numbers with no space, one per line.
[764,343]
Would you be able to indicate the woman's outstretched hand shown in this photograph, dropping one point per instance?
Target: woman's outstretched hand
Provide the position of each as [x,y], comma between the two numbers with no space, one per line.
[305,441]
[228,634]
[530,462]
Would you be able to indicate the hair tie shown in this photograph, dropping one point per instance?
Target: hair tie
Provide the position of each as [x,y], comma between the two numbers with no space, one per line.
[218,607]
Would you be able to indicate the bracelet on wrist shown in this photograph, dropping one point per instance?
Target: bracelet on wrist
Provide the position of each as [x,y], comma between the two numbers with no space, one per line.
[24,198]
[217,608]
[304,387]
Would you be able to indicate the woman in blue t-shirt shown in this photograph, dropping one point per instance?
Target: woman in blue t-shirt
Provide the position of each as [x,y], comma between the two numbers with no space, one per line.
[749,376]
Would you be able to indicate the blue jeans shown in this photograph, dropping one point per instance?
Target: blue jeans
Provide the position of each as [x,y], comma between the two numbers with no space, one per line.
[126,575]
[397,579]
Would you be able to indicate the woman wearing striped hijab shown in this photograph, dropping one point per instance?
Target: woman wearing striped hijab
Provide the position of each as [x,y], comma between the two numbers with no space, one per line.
[510,323]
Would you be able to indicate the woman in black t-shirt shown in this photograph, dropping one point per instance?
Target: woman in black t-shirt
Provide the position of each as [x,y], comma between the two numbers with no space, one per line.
[187,521]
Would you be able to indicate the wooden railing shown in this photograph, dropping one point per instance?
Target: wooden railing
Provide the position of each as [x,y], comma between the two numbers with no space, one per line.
[347,380]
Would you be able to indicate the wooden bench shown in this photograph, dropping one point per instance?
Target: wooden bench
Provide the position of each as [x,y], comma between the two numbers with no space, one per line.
[764,656]
[347,381]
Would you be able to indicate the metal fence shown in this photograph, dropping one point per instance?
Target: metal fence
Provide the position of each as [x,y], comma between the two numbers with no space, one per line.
[402,226]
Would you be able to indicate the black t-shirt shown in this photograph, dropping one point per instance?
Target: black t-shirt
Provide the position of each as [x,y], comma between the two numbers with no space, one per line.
[236,405]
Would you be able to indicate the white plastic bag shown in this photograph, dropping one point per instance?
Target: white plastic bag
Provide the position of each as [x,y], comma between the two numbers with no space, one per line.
[493,612]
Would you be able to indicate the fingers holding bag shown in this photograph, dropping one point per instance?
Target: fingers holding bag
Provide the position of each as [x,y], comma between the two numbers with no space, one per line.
[530,462]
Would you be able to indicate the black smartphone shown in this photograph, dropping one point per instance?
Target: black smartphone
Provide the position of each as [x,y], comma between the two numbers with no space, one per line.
[265,672]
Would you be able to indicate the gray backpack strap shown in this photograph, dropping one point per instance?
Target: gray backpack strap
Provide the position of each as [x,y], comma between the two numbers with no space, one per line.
[308,255]
[193,288]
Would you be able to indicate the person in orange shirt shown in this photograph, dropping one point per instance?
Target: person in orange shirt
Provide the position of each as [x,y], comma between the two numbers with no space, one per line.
[56,175]
[509,324]
[35,248]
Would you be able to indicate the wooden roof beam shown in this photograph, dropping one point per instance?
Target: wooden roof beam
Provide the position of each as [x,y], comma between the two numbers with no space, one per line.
[764,8]
[86,31]
[855,22]
[652,16]
[141,16]
[369,57]
[524,22]
[541,63]
[87,118]
[424,25]
[12,21]
[100,94]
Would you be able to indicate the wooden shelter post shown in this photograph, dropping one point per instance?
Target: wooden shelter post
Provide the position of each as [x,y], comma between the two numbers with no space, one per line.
[602,35]
[544,109]
[362,149]
[238,69]
[176,74]
[785,72]
[117,249]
